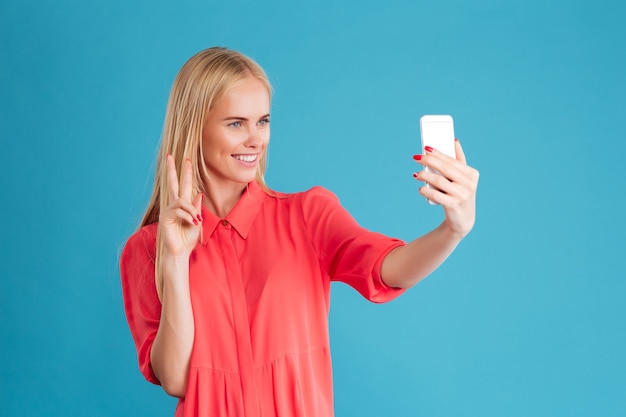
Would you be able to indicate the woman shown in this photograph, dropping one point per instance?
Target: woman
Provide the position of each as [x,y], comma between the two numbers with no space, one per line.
[226,284]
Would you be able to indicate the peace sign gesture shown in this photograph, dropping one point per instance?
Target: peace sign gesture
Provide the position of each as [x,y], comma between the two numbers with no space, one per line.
[180,222]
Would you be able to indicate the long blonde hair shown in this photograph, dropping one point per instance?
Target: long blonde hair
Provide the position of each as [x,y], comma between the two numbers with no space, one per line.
[201,82]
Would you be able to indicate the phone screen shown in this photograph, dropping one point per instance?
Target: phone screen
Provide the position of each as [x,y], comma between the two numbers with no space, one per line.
[438,132]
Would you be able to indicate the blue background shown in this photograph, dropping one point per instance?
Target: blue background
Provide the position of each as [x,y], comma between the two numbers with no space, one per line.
[527,318]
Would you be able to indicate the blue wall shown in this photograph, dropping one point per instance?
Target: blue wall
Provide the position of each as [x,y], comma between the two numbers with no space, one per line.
[527,318]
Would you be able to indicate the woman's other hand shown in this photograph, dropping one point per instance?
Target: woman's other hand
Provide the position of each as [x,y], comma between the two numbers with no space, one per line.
[454,189]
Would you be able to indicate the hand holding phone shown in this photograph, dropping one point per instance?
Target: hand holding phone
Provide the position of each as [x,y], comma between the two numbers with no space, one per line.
[437,131]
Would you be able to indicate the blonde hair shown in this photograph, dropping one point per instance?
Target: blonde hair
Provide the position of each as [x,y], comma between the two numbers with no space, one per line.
[201,82]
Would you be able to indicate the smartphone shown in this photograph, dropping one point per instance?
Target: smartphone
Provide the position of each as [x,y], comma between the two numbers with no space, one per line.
[437,132]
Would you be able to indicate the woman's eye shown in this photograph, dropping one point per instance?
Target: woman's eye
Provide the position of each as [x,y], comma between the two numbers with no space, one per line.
[235,124]
[264,122]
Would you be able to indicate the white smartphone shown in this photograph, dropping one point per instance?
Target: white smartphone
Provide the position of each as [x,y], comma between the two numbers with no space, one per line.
[437,132]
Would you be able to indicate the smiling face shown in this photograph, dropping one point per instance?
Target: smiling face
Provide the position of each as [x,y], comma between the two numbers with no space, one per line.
[236,134]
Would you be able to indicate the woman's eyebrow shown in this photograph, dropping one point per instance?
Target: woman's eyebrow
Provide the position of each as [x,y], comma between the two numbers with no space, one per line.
[243,118]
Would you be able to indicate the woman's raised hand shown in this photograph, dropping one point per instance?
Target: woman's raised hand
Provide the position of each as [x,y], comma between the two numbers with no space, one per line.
[455,189]
[180,222]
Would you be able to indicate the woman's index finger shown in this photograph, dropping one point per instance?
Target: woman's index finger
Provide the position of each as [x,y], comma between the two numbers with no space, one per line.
[172,178]
[187,183]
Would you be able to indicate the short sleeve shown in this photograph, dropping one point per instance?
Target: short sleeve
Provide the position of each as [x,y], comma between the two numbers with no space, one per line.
[347,252]
[141,302]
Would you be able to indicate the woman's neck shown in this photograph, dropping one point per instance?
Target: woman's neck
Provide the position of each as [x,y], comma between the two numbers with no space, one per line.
[221,200]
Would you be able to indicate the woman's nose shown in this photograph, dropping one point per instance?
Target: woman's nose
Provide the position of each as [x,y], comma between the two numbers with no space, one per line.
[255,138]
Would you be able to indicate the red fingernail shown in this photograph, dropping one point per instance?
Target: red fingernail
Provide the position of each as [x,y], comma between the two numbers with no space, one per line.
[415,175]
[199,217]
[417,157]
[456,139]
[195,222]
[428,148]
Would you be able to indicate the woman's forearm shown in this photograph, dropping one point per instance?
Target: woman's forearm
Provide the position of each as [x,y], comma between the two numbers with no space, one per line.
[171,350]
[406,265]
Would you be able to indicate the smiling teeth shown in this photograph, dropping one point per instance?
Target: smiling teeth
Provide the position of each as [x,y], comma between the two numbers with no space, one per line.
[245,158]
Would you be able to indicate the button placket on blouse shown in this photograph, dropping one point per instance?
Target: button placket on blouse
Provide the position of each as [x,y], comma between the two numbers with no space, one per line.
[226,235]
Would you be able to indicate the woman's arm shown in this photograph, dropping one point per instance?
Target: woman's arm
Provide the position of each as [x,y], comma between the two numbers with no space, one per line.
[179,228]
[172,345]
[456,192]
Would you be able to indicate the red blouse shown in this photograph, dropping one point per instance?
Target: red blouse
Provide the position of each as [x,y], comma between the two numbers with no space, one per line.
[260,283]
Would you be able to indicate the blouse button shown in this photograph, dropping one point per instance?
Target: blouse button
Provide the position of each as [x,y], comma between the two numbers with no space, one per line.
[224,222]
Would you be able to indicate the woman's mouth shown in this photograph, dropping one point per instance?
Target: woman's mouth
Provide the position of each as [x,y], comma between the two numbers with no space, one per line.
[246,158]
